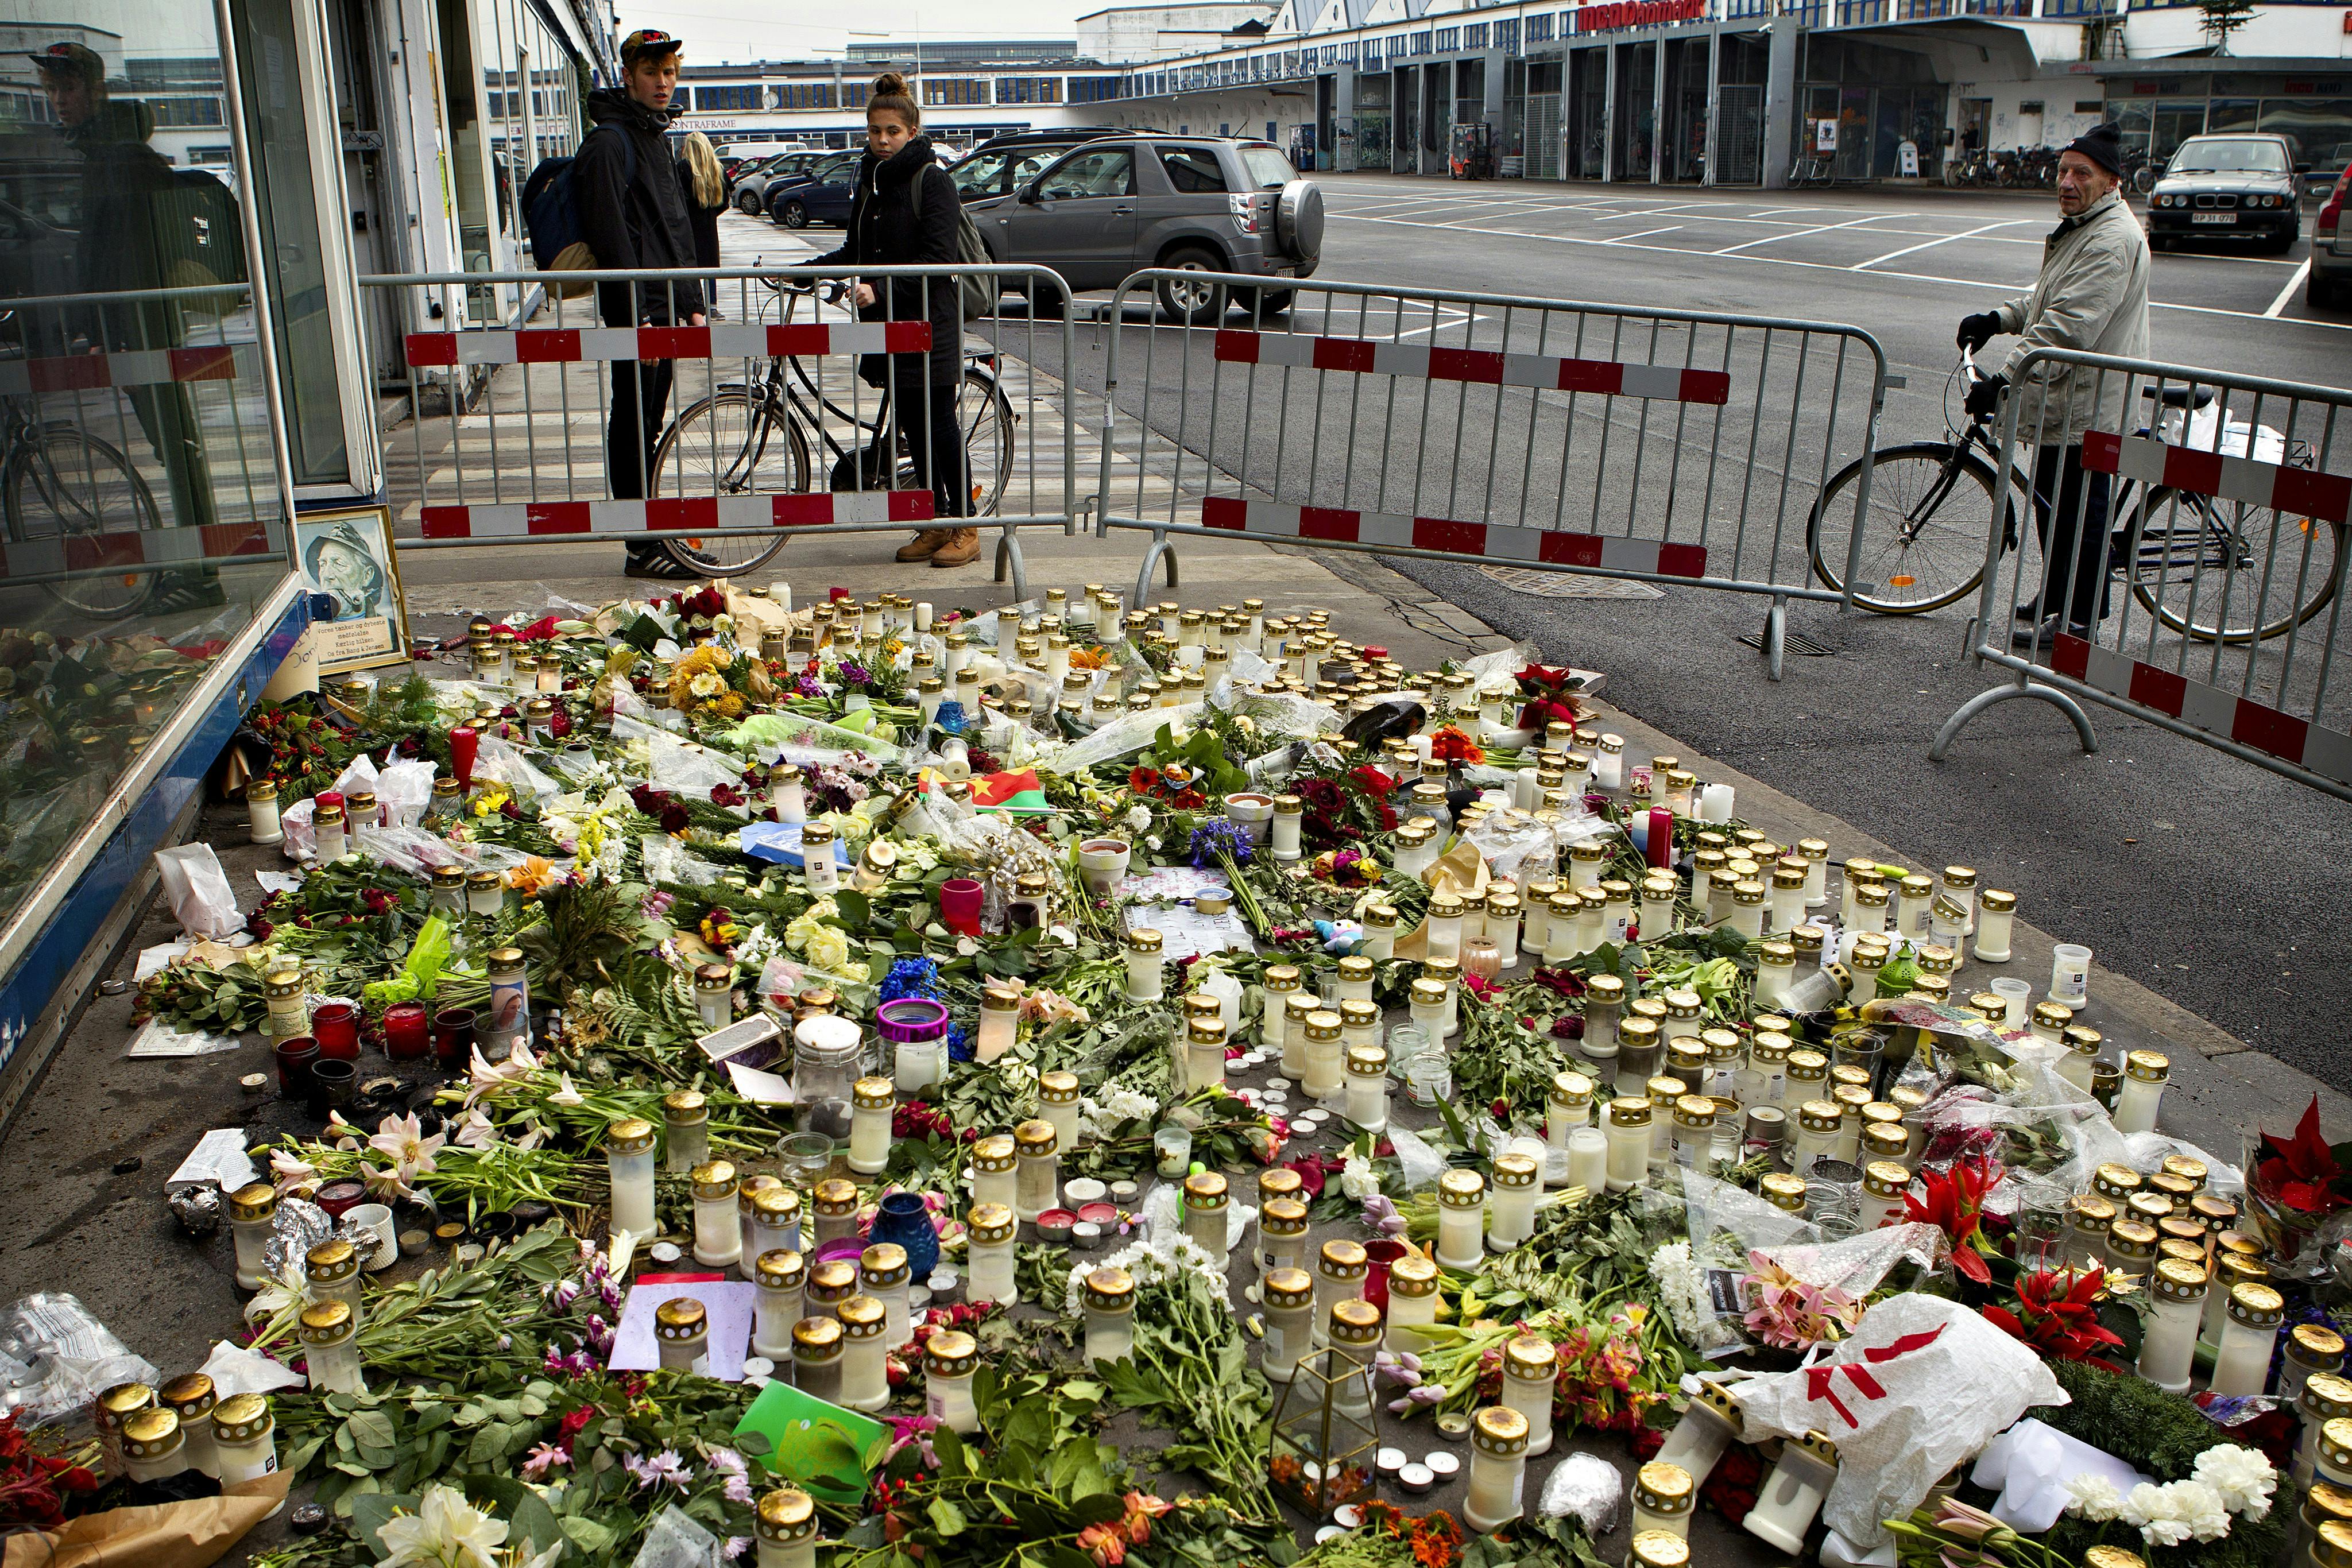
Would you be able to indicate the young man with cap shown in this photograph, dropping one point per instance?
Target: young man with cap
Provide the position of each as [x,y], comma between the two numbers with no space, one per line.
[2091,296]
[633,214]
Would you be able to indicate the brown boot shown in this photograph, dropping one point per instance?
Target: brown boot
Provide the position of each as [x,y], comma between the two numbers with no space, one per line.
[962,548]
[923,544]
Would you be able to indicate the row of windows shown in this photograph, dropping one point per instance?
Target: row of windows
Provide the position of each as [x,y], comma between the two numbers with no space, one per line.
[945,91]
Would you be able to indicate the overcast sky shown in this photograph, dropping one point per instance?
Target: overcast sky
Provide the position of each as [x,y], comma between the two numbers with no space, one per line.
[717,31]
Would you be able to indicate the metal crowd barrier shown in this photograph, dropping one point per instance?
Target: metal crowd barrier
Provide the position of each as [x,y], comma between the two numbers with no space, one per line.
[134,441]
[766,422]
[2222,571]
[1665,446]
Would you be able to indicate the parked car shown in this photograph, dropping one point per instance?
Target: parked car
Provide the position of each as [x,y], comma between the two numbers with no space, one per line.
[819,194]
[1002,166]
[2330,282]
[2237,186]
[1194,204]
[752,187]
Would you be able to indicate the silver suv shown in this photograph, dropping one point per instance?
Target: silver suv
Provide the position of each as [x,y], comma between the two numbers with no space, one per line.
[1196,204]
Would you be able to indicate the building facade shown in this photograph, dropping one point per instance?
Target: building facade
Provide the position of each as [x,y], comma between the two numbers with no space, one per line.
[1671,91]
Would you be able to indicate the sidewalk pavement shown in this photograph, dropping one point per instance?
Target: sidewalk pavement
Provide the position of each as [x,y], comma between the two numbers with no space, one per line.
[87,1223]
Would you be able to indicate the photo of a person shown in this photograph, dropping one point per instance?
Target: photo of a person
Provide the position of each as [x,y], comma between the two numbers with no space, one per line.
[353,574]
[339,563]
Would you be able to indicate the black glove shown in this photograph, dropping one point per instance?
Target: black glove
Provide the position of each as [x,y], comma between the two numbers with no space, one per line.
[1975,331]
[1984,396]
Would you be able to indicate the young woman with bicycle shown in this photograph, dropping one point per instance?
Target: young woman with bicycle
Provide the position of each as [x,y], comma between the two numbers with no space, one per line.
[904,213]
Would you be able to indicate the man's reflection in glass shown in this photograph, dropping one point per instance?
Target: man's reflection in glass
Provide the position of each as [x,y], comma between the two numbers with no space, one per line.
[132,208]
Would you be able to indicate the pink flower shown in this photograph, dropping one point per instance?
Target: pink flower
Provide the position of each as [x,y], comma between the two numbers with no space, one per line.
[543,1459]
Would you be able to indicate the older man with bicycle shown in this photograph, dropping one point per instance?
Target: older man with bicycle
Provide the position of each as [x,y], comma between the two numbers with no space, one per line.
[2091,296]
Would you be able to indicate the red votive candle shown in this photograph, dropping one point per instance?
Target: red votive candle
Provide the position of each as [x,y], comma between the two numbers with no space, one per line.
[336,1027]
[404,1032]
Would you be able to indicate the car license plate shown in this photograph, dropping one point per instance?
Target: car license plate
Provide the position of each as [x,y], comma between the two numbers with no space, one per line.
[2212,217]
[1286,272]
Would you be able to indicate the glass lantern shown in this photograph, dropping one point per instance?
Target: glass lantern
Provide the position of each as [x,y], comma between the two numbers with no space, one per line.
[1322,1455]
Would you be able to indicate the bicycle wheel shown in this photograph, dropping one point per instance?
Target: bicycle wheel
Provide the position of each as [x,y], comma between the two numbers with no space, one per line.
[1923,544]
[730,443]
[2199,567]
[987,418]
[66,483]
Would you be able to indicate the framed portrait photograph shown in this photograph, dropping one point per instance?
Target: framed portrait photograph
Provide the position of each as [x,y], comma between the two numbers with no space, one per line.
[347,557]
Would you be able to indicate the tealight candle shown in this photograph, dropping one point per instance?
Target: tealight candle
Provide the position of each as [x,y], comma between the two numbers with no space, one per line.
[875,1101]
[1144,966]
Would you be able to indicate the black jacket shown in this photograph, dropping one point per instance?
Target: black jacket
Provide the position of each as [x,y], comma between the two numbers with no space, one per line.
[642,222]
[891,226]
[702,219]
[126,186]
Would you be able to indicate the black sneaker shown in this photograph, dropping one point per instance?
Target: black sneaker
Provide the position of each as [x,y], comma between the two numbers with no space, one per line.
[177,593]
[658,564]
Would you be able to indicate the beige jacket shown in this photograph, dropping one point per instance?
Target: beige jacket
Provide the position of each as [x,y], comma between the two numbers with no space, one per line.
[2091,296]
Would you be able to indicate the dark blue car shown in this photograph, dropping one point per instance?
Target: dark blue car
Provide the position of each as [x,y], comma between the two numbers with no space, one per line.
[822,197]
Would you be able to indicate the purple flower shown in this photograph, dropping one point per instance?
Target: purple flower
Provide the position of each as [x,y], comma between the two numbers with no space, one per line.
[1404,1371]
[736,1546]
[664,1468]
[1381,1215]
[563,1292]
[599,1334]
[1422,1393]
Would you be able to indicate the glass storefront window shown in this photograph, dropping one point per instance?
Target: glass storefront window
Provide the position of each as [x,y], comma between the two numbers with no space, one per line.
[139,490]
[2313,127]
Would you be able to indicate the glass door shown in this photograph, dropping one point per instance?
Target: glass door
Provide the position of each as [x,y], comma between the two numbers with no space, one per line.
[299,180]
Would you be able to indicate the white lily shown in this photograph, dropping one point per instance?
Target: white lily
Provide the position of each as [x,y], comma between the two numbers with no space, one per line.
[446,1531]
[404,1138]
[567,1095]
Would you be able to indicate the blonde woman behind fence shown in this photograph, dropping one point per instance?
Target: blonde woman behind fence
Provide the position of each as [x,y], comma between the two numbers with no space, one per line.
[705,197]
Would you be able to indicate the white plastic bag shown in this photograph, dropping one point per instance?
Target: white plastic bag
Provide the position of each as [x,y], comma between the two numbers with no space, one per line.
[404,789]
[1922,1385]
[198,891]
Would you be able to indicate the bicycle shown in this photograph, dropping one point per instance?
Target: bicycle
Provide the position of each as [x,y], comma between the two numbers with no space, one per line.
[60,481]
[1932,505]
[754,437]
[1809,171]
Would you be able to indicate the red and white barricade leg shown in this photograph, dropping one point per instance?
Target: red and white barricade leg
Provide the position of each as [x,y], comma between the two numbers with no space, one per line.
[2196,579]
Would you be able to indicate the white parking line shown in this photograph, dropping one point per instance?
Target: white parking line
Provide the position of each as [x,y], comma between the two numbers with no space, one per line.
[1930,245]
[1645,233]
[1817,229]
[2288,292]
[1686,254]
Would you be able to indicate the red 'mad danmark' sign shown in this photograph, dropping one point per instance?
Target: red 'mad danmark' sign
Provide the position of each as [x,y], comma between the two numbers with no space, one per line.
[1638,14]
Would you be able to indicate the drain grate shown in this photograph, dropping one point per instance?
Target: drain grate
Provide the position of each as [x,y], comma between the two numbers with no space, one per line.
[1568,584]
[1794,641]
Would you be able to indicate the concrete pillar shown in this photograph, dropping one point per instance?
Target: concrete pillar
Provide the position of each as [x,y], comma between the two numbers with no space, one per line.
[1609,119]
[1493,72]
[1658,111]
[1779,104]
[1343,118]
[1713,85]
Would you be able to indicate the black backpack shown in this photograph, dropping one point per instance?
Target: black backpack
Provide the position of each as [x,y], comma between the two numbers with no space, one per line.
[200,243]
[979,290]
[551,206]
